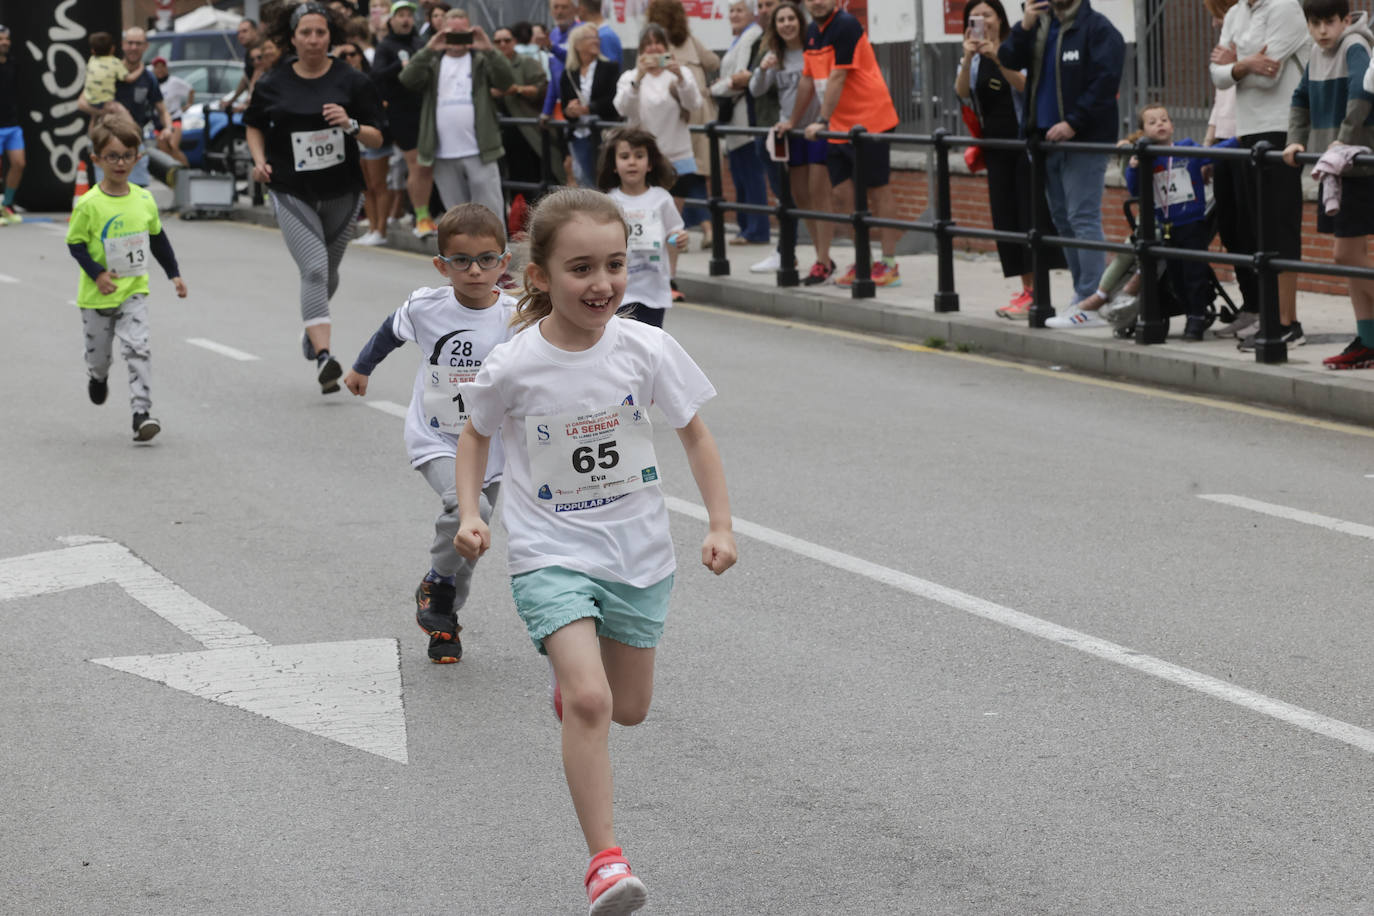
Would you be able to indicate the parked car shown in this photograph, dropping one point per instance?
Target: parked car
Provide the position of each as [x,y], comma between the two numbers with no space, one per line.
[211,137]
[201,46]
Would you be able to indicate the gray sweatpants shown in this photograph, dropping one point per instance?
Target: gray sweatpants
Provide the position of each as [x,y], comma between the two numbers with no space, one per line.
[129,322]
[443,556]
[469,180]
[317,234]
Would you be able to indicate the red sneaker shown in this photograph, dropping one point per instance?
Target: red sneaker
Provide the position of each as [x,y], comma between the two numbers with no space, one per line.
[1355,356]
[611,888]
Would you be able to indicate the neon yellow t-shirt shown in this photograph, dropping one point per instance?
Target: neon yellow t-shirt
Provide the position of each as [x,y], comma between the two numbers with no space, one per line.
[115,231]
[102,74]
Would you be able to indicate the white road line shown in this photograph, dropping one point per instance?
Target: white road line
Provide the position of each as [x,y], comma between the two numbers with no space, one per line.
[1100,648]
[221,349]
[391,407]
[6,278]
[1293,515]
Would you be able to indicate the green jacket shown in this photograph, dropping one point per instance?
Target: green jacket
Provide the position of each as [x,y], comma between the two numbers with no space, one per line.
[529,72]
[489,68]
[767,107]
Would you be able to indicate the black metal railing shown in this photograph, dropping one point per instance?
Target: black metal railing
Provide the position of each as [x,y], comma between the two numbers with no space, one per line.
[1151,324]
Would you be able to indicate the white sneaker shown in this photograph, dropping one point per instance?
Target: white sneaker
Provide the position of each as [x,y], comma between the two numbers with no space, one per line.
[1074,318]
[768,265]
[1244,321]
[371,238]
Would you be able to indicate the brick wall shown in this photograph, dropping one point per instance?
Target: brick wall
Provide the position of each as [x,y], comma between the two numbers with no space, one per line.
[969,204]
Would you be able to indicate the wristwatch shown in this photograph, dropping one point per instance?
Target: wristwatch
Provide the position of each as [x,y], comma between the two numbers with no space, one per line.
[353,127]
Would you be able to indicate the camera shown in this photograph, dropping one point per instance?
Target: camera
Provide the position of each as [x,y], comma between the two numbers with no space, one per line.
[458,38]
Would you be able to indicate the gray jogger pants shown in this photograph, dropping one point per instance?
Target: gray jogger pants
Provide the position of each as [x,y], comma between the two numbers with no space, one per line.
[443,556]
[469,180]
[316,233]
[129,322]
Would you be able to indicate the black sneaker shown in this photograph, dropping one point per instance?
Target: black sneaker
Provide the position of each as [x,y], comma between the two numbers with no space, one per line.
[445,651]
[434,609]
[820,273]
[1290,334]
[329,374]
[1197,326]
[145,427]
[98,389]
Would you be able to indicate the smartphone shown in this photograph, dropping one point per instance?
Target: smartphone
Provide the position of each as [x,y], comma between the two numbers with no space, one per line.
[777,146]
[665,59]
[458,38]
[978,27]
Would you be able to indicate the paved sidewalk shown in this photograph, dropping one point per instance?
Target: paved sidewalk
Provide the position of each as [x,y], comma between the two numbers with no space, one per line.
[1213,366]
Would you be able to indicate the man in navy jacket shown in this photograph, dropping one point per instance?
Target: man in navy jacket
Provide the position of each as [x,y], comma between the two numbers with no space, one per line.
[1074,56]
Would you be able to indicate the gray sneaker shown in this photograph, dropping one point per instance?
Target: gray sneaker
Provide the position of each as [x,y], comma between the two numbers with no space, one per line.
[1244,321]
[1120,311]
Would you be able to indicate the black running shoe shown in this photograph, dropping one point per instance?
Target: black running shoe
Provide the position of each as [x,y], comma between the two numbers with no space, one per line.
[445,651]
[434,609]
[1197,325]
[329,374]
[145,427]
[97,389]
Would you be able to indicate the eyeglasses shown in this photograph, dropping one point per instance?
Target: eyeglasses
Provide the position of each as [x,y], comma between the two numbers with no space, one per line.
[118,158]
[486,260]
[352,54]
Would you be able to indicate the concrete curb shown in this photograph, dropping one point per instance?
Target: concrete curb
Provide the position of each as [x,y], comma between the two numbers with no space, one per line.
[1331,394]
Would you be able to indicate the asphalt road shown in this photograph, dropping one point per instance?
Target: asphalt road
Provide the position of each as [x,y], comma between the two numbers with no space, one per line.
[987,650]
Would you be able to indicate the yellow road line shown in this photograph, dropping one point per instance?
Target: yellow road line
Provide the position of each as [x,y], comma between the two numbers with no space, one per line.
[1063,376]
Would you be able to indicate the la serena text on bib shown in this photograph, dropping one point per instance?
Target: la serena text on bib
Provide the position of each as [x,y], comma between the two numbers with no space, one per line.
[584,460]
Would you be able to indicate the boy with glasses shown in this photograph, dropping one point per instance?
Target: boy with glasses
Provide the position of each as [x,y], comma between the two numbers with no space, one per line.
[455,326]
[114,235]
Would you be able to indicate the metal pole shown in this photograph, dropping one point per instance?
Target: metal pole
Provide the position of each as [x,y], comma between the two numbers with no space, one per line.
[1269,347]
[863,248]
[720,264]
[1041,308]
[787,230]
[1151,325]
[946,297]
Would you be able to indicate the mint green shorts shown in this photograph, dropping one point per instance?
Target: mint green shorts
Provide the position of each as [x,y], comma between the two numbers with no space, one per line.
[549,599]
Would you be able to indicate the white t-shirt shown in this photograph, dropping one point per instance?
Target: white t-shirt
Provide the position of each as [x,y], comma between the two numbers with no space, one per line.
[652,218]
[175,93]
[454,115]
[451,336]
[623,539]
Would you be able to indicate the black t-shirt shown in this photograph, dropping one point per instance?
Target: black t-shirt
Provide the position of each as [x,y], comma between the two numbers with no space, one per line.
[285,103]
[996,107]
[141,98]
[9,93]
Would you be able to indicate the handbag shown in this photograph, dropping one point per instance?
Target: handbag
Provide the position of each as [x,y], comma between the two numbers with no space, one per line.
[973,155]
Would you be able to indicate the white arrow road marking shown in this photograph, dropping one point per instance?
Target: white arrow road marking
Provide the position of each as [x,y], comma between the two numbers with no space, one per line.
[349,692]
[1315,722]
[6,278]
[1293,515]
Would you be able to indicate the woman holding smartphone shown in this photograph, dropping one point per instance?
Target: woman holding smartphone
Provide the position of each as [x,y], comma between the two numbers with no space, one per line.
[780,72]
[996,95]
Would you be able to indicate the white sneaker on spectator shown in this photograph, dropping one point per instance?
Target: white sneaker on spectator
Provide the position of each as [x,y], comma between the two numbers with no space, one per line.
[768,265]
[371,238]
[1074,318]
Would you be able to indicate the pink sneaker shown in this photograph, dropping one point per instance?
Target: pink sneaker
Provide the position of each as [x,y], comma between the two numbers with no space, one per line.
[612,889]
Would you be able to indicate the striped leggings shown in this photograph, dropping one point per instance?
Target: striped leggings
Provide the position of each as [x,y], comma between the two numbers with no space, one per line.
[316,234]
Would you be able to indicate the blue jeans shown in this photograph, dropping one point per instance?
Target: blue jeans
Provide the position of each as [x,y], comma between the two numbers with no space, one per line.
[1073,187]
[584,153]
[751,187]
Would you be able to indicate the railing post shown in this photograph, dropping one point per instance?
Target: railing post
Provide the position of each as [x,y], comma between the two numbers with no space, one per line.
[1152,326]
[545,158]
[720,265]
[1269,347]
[787,230]
[863,250]
[946,297]
[1041,308]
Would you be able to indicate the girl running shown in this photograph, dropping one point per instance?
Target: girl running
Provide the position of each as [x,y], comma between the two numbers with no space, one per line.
[304,124]
[588,545]
[636,175]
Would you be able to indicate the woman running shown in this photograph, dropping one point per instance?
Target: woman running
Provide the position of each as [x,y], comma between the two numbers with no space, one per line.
[304,125]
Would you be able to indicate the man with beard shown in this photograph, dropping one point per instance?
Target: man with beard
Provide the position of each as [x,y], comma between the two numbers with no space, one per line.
[1074,56]
[403,107]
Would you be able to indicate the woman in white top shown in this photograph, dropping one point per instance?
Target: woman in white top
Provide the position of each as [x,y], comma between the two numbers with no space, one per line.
[746,169]
[658,96]
[587,89]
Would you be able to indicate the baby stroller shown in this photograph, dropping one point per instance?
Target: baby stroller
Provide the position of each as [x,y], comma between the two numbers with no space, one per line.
[1123,319]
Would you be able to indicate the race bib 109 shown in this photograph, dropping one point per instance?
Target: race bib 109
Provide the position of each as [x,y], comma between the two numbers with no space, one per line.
[313,150]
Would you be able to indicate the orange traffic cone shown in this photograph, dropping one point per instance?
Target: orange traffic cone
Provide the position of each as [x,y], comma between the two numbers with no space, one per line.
[83,184]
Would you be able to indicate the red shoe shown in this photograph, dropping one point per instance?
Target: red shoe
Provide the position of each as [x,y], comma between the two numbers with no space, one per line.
[611,888]
[1022,299]
[1355,356]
